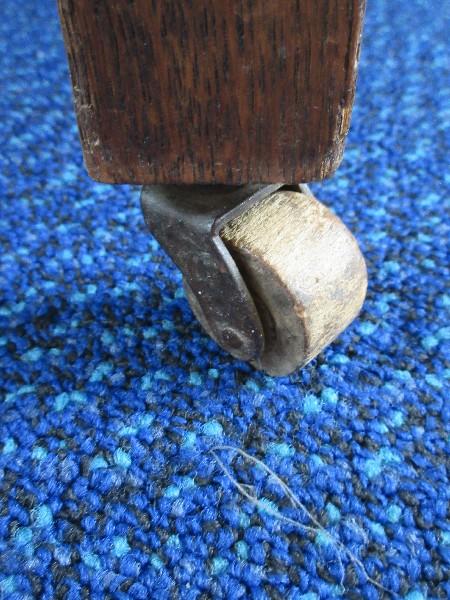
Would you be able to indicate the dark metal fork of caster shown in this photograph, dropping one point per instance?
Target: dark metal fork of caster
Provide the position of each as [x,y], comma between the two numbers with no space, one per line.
[229,92]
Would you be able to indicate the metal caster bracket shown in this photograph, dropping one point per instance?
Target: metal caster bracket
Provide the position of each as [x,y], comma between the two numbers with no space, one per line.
[186,221]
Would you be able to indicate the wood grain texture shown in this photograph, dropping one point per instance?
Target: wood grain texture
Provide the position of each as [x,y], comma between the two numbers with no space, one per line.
[304,271]
[212,91]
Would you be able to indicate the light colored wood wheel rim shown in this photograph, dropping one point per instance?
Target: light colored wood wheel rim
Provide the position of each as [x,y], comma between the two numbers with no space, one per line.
[305,272]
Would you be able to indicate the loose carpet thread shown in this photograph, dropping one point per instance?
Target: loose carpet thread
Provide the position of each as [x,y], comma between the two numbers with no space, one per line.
[297,504]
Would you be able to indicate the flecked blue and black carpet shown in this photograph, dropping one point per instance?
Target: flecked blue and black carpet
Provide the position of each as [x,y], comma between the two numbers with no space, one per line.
[113,400]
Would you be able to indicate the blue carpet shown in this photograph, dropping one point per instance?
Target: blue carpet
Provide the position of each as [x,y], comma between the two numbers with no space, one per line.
[113,398]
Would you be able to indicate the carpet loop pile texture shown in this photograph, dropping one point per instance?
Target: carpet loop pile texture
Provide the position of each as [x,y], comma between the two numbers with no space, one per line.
[122,425]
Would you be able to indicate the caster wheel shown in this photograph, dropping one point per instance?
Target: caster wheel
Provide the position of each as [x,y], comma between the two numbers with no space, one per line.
[304,271]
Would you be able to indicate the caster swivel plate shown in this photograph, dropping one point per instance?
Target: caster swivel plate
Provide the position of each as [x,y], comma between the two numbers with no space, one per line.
[272,275]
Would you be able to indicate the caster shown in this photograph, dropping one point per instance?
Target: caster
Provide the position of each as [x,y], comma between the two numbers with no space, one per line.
[272,275]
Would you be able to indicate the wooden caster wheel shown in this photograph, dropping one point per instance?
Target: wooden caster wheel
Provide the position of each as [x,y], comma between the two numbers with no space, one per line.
[305,273]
